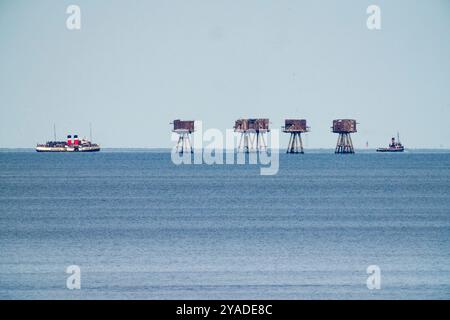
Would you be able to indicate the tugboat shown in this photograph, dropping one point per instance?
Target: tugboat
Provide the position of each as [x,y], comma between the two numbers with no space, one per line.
[395,146]
[70,145]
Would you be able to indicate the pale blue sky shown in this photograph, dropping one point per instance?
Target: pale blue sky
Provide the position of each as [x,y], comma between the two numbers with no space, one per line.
[136,65]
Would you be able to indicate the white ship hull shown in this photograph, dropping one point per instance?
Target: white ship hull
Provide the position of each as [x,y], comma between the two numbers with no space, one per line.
[89,149]
[50,149]
[68,149]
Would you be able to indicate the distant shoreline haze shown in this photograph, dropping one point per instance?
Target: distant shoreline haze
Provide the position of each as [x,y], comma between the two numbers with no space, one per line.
[131,68]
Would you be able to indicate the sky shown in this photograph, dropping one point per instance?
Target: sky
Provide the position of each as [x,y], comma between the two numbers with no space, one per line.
[134,66]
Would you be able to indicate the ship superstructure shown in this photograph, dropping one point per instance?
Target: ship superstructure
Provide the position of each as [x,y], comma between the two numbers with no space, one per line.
[70,145]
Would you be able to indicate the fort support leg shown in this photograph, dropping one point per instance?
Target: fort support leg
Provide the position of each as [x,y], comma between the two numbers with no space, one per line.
[347,144]
[178,143]
[246,150]
[189,144]
[240,142]
[263,143]
[183,147]
[251,138]
[344,144]
[338,144]
[181,144]
[300,142]
[289,148]
[296,144]
[350,143]
[258,142]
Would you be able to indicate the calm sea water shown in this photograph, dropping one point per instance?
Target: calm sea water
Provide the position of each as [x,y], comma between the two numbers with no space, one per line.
[140,227]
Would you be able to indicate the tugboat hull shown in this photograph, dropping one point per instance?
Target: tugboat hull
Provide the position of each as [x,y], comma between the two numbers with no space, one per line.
[390,150]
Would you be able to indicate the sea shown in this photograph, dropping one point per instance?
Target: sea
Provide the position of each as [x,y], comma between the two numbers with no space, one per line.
[137,226]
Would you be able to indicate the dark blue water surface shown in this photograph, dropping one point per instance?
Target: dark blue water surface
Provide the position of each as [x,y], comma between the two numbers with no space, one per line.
[140,227]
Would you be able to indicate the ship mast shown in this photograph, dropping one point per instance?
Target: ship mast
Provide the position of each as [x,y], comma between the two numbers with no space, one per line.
[90,132]
[54,132]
